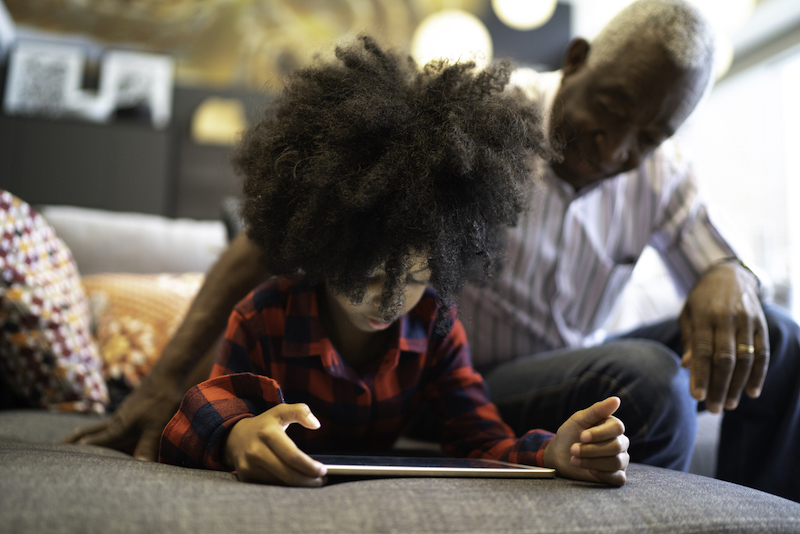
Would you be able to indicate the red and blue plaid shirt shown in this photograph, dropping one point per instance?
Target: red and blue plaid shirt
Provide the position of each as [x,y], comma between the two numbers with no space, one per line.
[275,350]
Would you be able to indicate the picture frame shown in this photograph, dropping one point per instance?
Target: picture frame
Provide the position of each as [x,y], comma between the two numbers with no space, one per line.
[43,78]
[139,84]
[7,32]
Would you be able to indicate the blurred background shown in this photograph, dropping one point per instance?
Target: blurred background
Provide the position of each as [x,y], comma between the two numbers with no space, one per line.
[133,105]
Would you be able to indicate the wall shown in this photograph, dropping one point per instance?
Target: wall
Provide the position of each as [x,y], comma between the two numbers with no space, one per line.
[130,167]
[122,166]
[744,142]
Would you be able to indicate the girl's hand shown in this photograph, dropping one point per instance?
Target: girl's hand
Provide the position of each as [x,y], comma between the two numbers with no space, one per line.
[260,451]
[591,445]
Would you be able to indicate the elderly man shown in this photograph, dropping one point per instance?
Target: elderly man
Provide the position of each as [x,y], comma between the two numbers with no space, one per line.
[620,186]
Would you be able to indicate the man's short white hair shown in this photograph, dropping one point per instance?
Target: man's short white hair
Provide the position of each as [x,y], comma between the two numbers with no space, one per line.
[686,35]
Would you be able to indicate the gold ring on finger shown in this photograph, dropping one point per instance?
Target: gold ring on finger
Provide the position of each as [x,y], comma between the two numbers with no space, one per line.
[749,349]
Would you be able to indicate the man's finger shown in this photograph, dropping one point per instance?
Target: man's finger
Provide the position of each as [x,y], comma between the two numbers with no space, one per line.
[702,351]
[686,360]
[685,324]
[80,433]
[724,362]
[147,447]
[108,434]
[758,374]
[745,355]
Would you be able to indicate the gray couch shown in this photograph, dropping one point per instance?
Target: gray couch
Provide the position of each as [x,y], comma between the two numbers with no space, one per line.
[49,487]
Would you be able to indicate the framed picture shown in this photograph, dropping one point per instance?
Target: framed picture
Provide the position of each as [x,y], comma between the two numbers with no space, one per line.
[45,79]
[139,84]
[42,78]
[6,32]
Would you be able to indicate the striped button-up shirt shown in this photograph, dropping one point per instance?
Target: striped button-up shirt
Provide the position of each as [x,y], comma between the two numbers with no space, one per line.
[275,350]
[569,258]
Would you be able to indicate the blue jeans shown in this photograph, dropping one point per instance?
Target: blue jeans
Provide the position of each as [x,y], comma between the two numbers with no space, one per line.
[758,442]
[544,390]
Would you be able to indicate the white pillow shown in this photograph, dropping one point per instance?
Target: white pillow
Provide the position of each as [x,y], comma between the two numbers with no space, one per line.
[105,241]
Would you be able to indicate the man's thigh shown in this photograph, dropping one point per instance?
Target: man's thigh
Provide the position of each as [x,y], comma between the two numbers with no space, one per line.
[544,390]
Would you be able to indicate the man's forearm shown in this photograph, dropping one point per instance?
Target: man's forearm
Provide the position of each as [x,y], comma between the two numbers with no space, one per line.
[238,270]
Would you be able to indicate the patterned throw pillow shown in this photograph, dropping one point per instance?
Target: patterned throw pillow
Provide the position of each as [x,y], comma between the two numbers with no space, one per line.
[47,356]
[134,317]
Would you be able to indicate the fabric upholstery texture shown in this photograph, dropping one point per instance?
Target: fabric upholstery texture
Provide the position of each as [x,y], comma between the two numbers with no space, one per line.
[46,352]
[57,488]
[134,316]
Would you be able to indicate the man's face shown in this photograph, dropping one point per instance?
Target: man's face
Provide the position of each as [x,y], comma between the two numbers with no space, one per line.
[607,118]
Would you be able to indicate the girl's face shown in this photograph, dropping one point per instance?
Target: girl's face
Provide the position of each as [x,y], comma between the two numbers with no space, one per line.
[366,315]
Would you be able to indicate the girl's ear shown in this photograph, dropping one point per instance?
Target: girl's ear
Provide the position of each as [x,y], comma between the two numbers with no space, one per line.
[575,57]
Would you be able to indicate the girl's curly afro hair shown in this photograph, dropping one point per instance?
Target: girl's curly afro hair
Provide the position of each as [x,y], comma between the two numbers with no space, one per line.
[366,159]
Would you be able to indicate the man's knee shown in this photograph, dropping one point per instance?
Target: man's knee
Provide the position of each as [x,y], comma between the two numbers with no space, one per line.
[648,366]
[662,415]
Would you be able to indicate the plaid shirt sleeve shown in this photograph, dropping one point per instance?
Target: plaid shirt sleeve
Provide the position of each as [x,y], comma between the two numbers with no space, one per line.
[194,435]
[472,424]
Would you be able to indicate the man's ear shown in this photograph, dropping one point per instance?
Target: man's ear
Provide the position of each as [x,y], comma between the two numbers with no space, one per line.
[575,57]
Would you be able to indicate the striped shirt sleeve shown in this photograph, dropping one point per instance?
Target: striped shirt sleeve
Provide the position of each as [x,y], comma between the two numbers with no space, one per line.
[685,236]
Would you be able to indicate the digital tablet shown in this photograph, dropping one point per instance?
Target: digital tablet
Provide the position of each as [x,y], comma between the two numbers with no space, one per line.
[394,466]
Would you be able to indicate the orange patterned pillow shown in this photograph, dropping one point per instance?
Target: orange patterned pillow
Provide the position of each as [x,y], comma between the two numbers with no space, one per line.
[134,317]
[47,357]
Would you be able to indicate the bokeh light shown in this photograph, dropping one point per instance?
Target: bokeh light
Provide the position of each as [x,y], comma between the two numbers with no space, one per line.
[524,14]
[454,35]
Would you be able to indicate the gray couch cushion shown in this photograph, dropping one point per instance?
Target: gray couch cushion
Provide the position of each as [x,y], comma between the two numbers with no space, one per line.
[42,426]
[55,488]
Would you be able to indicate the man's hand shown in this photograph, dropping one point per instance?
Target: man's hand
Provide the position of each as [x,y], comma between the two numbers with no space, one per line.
[136,426]
[725,337]
[591,445]
[260,451]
